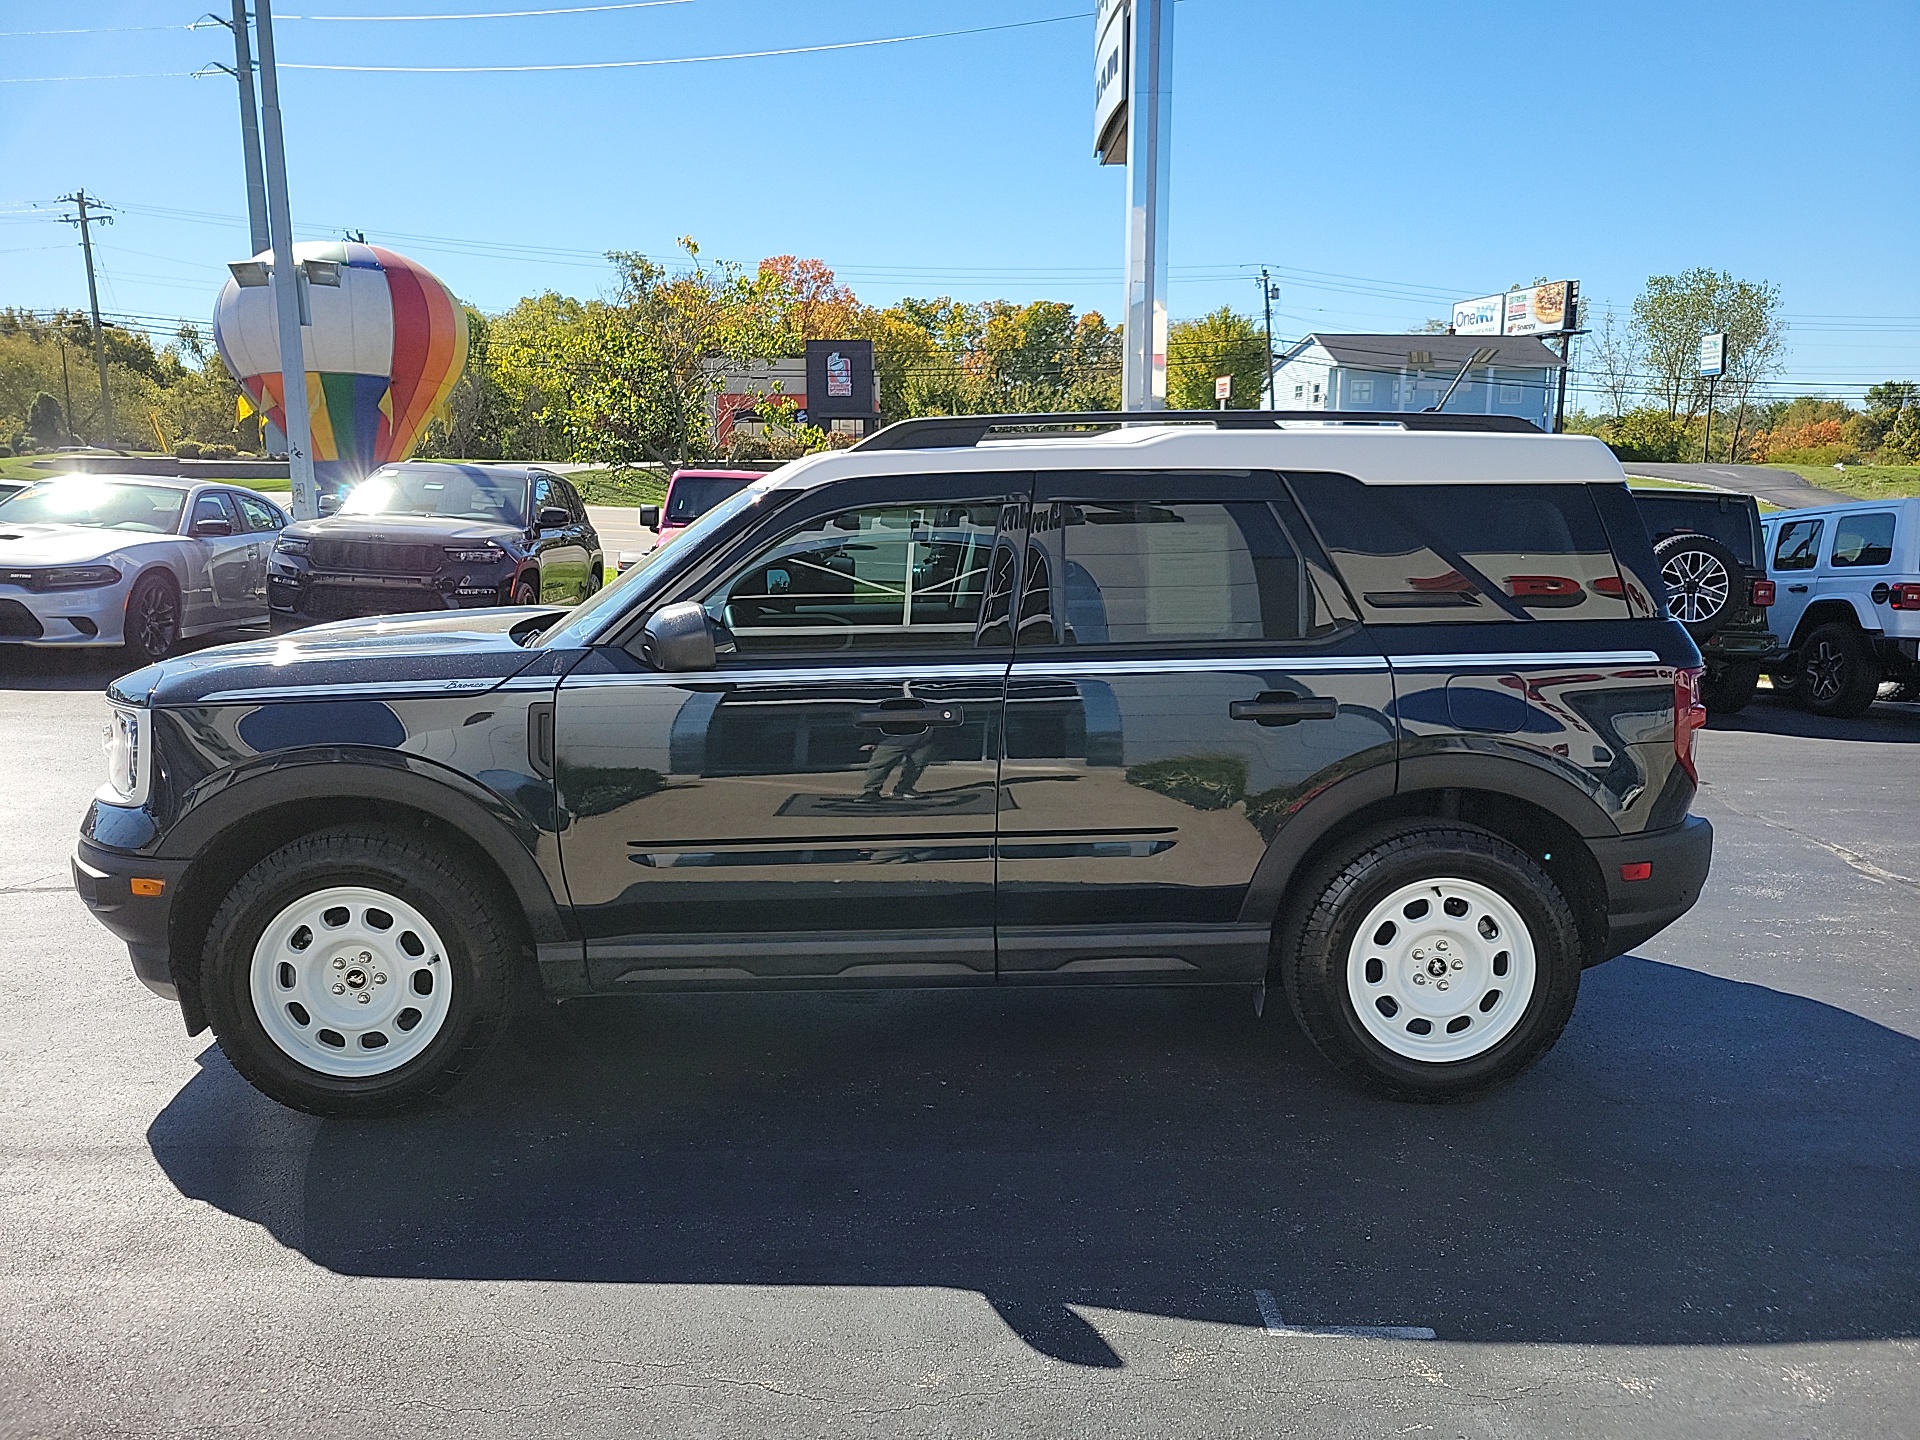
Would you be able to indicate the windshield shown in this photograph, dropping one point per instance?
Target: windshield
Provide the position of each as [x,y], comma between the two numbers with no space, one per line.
[104,504]
[455,491]
[579,624]
[691,496]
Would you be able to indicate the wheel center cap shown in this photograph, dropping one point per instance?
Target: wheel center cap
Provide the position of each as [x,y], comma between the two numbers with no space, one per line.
[356,979]
[1436,967]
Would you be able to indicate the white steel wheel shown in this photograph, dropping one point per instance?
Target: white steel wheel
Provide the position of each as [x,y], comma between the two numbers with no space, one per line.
[350,981]
[1697,585]
[1441,970]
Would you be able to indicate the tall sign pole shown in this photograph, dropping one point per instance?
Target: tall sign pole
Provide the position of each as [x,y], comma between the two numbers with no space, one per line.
[1713,364]
[289,295]
[1132,117]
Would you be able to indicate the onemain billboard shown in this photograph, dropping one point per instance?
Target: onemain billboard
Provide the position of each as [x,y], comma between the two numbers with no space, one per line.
[1551,309]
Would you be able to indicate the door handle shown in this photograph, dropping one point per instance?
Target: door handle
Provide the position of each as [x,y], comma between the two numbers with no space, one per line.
[540,738]
[1277,709]
[1796,589]
[906,719]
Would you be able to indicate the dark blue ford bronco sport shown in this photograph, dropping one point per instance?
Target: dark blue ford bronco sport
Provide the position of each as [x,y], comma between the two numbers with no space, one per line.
[1387,710]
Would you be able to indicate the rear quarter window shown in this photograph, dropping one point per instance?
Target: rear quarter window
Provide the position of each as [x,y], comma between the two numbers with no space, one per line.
[1727,518]
[1419,553]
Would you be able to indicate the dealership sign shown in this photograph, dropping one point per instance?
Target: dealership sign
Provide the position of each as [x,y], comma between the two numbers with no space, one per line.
[1537,310]
[1110,81]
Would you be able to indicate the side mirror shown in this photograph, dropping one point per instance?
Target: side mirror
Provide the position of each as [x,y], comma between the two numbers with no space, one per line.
[555,517]
[676,637]
[329,504]
[203,529]
[650,516]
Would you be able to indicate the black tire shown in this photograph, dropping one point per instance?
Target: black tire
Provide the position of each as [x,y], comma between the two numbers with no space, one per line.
[1316,948]
[1786,679]
[152,629]
[523,592]
[1729,687]
[1702,578]
[596,577]
[1839,673]
[482,954]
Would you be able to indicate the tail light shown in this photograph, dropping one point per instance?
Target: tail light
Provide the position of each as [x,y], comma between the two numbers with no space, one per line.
[1762,594]
[1906,597]
[1689,715]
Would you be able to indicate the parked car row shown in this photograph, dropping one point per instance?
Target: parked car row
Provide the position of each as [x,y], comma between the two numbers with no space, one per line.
[149,561]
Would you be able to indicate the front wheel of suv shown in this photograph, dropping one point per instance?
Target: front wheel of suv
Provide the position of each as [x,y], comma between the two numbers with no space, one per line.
[1431,960]
[1839,675]
[357,971]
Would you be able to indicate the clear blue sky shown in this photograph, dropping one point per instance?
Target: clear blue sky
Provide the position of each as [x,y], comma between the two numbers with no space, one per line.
[1383,159]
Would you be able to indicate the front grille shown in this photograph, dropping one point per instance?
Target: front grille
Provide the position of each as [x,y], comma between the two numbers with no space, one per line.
[343,602]
[375,557]
[17,622]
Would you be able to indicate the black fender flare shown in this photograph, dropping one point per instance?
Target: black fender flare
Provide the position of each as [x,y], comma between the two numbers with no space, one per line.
[1293,845]
[502,834]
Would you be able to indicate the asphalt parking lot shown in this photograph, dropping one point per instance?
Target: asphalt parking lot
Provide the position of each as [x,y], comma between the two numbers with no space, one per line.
[984,1215]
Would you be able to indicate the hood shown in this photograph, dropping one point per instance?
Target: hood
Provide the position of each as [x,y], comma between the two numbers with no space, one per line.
[407,529]
[25,545]
[460,652]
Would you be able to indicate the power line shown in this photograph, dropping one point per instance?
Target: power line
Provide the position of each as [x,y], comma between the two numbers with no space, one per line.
[503,14]
[683,59]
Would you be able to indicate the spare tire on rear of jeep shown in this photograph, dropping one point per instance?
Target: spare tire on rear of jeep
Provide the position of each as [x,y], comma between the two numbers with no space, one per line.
[1700,575]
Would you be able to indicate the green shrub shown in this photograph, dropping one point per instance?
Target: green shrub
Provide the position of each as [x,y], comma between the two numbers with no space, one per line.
[186,450]
[1647,434]
[1206,782]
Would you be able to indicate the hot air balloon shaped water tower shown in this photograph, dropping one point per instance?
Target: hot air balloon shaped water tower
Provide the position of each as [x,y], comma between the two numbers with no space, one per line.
[386,345]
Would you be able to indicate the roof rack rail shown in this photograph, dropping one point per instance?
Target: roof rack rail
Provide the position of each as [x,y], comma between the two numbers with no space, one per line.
[936,432]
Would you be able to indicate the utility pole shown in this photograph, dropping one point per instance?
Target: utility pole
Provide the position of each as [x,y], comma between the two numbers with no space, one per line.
[1268,291]
[79,200]
[289,294]
[1149,152]
[242,72]
[66,385]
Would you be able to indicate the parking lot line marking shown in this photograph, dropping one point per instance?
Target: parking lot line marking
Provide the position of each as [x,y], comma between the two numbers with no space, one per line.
[1270,1317]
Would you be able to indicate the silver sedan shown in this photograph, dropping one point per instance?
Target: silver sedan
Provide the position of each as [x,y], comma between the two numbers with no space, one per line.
[144,561]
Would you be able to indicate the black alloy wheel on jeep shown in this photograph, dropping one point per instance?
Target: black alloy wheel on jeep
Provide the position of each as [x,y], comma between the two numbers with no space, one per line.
[358,971]
[1700,575]
[1839,674]
[1430,960]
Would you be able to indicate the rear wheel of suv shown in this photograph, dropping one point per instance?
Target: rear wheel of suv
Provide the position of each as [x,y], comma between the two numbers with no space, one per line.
[1431,960]
[524,592]
[1730,687]
[1839,675]
[357,971]
[1700,575]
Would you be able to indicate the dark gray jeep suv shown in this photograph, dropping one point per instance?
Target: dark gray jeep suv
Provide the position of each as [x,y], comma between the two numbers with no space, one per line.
[1388,712]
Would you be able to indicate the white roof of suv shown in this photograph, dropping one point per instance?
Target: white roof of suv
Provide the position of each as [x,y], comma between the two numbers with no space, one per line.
[1373,454]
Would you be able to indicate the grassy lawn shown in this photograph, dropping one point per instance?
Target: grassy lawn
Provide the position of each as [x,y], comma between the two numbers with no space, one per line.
[1865,482]
[619,487]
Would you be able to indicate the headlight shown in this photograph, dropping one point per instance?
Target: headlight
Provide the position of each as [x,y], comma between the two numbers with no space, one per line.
[129,758]
[478,555]
[290,545]
[69,577]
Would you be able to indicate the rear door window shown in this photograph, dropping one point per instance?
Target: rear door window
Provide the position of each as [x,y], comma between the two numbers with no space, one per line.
[1418,553]
[1727,518]
[1798,544]
[1182,570]
[1862,540]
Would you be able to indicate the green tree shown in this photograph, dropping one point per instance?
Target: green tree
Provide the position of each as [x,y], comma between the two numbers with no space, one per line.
[1671,315]
[1223,343]
[46,424]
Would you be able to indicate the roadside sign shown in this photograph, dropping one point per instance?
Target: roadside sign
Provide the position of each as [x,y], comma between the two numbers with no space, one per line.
[1223,387]
[1537,310]
[1713,355]
[1110,81]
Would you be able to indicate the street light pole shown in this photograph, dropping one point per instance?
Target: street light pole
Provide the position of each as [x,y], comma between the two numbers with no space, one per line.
[1150,117]
[289,295]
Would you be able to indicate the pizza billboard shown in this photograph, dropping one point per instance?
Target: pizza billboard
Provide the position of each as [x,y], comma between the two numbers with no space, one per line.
[1551,309]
